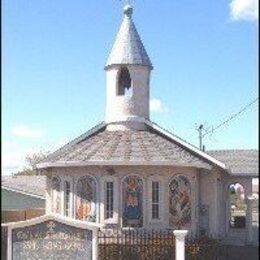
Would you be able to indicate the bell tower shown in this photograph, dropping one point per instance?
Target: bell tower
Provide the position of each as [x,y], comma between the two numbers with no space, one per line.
[128,71]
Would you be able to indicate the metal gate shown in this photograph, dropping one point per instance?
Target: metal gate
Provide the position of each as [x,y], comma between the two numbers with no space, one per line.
[136,245]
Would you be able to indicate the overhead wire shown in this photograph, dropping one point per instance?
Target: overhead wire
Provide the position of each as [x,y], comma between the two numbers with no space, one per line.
[231,117]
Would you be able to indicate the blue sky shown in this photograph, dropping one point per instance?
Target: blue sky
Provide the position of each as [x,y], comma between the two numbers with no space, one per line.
[53,89]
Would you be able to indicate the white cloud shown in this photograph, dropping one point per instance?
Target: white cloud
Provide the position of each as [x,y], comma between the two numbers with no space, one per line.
[156,105]
[244,10]
[13,157]
[26,131]
[14,154]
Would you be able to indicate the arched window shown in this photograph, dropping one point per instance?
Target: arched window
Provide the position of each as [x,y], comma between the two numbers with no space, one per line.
[179,202]
[237,206]
[86,199]
[133,202]
[124,86]
[56,195]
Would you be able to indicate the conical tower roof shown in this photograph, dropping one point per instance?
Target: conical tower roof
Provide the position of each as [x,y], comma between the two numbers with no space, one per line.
[128,47]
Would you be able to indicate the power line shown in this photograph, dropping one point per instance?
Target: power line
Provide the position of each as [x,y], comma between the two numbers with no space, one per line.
[230,118]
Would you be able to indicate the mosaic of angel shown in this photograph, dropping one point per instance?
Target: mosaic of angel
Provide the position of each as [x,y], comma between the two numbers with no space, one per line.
[132,202]
[86,199]
[180,202]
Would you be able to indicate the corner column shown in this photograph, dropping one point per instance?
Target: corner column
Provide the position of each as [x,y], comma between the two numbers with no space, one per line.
[249,219]
[194,205]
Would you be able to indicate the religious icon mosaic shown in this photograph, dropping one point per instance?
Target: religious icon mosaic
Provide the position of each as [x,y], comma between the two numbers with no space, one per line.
[179,202]
[56,195]
[132,202]
[86,199]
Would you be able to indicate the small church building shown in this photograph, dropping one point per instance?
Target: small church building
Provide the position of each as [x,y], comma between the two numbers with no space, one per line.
[128,172]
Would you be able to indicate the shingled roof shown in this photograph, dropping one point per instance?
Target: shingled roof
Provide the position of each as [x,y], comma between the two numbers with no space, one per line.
[131,147]
[30,185]
[153,146]
[128,47]
[239,162]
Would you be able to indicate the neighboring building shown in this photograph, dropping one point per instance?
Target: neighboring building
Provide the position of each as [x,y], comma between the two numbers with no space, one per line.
[242,164]
[130,172]
[23,192]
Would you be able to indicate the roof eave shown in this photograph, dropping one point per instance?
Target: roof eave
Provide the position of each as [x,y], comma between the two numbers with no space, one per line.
[109,65]
[118,163]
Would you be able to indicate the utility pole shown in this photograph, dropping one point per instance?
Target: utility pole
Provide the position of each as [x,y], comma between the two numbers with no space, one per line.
[200,136]
[212,129]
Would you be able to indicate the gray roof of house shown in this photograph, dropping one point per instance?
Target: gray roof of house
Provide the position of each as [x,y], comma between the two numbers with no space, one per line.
[128,47]
[240,162]
[126,146]
[31,185]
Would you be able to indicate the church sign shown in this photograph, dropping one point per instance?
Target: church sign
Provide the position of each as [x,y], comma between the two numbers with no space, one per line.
[52,237]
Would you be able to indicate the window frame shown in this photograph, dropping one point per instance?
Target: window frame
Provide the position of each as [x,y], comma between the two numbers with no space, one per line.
[109,200]
[159,180]
[67,201]
[103,206]
[155,201]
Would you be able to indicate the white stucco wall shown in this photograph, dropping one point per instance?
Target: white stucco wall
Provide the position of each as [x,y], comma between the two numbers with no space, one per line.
[212,194]
[147,173]
[208,187]
[119,108]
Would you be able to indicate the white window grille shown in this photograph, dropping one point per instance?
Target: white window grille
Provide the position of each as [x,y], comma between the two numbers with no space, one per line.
[155,200]
[67,198]
[109,199]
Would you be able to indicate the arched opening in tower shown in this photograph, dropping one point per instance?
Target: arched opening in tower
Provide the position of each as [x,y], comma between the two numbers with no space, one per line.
[124,86]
